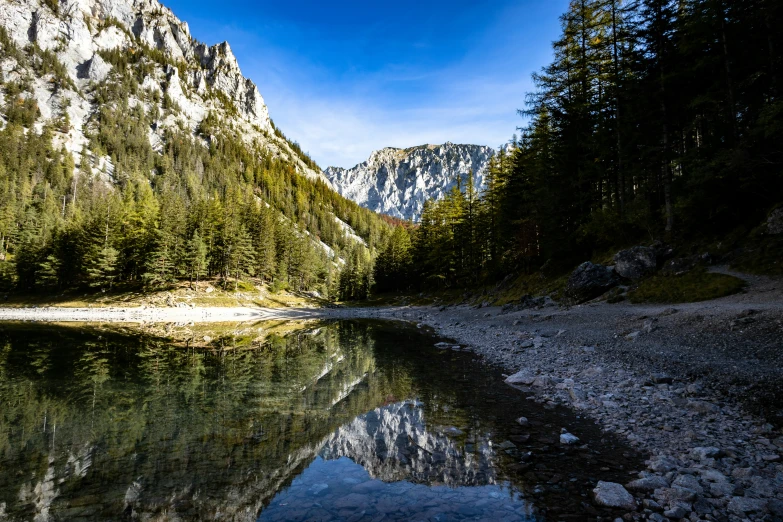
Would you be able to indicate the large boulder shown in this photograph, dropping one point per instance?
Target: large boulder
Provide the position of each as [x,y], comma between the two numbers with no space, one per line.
[775,222]
[589,281]
[96,69]
[636,262]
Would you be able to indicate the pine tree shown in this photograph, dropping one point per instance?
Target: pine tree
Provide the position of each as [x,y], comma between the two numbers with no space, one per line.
[196,257]
[102,269]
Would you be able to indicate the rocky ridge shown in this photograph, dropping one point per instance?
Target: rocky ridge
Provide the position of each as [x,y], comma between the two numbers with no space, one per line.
[393,443]
[197,79]
[397,182]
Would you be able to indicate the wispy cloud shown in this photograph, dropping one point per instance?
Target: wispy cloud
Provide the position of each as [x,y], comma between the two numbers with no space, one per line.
[424,76]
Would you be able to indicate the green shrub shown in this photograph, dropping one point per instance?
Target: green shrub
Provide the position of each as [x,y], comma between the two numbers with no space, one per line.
[245,286]
[278,286]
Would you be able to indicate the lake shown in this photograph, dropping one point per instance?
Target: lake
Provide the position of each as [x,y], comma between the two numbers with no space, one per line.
[343,420]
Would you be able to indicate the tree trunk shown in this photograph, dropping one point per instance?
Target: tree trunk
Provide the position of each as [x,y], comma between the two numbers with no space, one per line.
[617,120]
[727,68]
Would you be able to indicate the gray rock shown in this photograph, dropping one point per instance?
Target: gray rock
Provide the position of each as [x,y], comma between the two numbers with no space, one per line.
[542,381]
[650,483]
[96,69]
[398,181]
[676,512]
[660,378]
[589,281]
[775,222]
[688,482]
[709,452]
[745,505]
[722,489]
[662,464]
[775,507]
[635,263]
[568,439]
[613,495]
[674,495]
[521,377]
[702,407]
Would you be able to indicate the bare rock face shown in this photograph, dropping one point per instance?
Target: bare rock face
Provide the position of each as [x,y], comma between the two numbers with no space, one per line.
[636,262]
[589,281]
[397,182]
[775,222]
[97,69]
[394,443]
[200,79]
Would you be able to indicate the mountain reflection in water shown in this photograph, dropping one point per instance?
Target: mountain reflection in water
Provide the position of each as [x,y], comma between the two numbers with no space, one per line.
[353,419]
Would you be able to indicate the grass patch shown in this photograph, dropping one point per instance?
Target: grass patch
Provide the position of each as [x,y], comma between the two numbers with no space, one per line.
[696,285]
[761,257]
[536,284]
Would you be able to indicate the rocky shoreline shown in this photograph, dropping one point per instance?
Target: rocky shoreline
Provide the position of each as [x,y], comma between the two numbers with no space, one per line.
[696,386]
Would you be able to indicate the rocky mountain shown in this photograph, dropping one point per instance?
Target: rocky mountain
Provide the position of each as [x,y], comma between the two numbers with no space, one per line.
[394,443]
[86,40]
[398,181]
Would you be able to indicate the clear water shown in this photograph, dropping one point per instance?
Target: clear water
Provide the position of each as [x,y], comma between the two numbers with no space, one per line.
[347,421]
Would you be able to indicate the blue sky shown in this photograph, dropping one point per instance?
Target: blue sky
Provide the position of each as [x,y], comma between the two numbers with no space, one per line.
[345,78]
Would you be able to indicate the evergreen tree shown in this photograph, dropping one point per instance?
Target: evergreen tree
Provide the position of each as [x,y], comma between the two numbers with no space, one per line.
[196,257]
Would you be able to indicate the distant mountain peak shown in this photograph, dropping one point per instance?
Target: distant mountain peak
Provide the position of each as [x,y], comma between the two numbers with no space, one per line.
[398,181]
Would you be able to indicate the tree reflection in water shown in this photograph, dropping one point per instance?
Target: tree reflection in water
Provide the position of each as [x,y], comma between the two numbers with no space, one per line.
[98,425]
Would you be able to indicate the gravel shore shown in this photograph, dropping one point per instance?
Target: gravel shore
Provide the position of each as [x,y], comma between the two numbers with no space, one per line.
[698,386]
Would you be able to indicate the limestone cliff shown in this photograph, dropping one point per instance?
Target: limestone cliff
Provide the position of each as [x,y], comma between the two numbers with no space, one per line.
[398,181]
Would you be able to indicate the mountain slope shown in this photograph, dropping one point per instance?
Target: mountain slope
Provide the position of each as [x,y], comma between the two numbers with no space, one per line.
[398,181]
[92,39]
[130,153]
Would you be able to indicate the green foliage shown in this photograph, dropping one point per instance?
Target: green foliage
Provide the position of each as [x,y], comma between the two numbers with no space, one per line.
[54,5]
[228,211]
[696,285]
[45,62]
[22,111]
[226,102]
[102,268]
[761,255]
[656,119]
[394,264]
